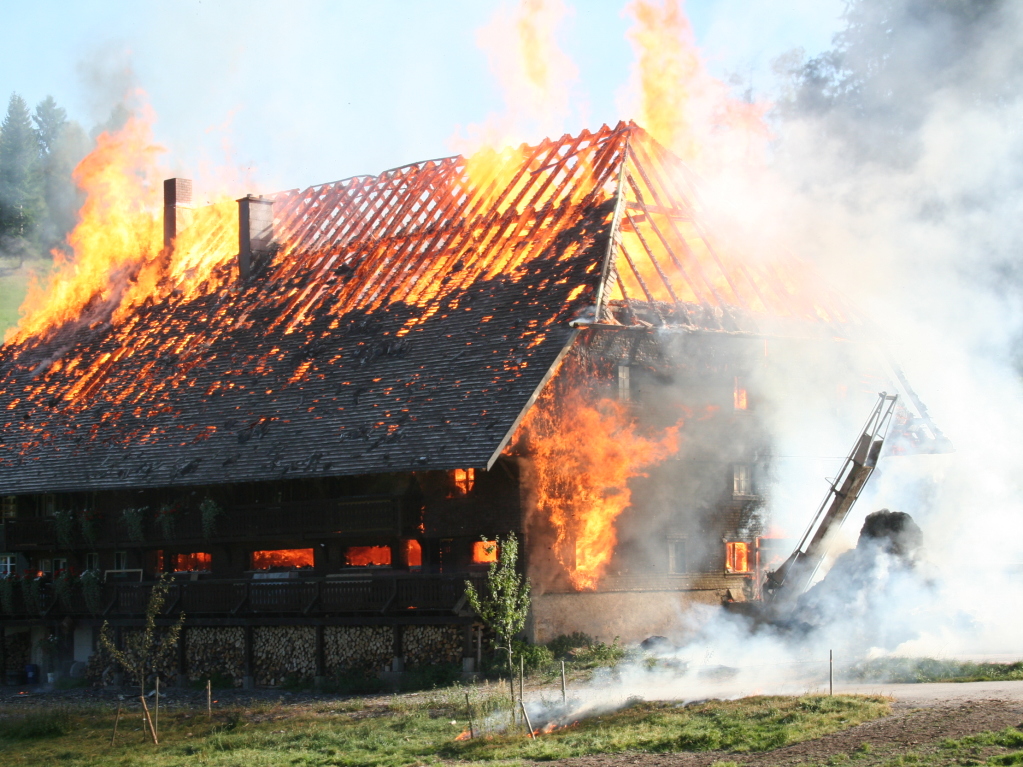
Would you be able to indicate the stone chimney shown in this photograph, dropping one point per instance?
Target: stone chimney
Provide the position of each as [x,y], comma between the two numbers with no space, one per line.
[177,207]
[255,233]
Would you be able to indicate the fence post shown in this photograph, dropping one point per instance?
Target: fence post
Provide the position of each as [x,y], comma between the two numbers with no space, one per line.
[831,672]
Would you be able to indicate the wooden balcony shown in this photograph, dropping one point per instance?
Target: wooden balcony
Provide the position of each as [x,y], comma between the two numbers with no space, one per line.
[306,597]
[362,515]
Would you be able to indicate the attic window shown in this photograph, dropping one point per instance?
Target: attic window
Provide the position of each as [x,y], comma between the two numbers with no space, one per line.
[739,398]
[742,479]
[462,481]
[736,557]
[10,507]
[624,384]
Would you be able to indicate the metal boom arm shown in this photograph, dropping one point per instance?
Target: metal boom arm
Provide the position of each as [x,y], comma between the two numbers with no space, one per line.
[797,572]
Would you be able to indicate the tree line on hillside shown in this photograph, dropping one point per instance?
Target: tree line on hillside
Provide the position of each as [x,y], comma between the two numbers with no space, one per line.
[39,200]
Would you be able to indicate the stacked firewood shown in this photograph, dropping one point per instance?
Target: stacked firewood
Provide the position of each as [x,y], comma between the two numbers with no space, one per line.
[215,651]
[282,652]
[424,645]
[16,651]
[362,648]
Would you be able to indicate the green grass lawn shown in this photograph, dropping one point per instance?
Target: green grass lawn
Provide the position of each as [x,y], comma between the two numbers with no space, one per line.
[410,731]
[12,292]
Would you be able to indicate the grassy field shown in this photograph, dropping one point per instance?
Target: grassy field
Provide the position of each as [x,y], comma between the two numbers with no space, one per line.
[409,730]
[12,292]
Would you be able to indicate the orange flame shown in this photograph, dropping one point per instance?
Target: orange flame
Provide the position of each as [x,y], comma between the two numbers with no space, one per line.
[264,560]
[118,258]
[365,556]
[585,455]
[680,103]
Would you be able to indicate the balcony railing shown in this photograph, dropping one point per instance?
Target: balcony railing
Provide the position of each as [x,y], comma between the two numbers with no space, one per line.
[363,515]
[378,593]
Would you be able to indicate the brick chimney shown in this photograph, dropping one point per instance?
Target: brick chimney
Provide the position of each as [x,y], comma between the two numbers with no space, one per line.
[177,207]
[255,233]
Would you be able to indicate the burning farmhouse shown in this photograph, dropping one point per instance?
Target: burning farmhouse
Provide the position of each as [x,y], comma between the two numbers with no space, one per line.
[314,409]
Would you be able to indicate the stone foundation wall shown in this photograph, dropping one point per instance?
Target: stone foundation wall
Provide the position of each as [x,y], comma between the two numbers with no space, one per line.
[630,615]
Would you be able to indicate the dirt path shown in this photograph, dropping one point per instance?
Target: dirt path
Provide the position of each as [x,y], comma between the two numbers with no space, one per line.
[923,716]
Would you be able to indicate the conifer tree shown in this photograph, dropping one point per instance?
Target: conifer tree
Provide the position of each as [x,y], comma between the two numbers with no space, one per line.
[21,199]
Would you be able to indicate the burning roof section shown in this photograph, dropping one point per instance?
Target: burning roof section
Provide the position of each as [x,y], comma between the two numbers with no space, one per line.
[401,321]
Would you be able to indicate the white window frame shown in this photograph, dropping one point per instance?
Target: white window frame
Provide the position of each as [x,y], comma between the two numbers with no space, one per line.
[742,480]
[8,565]
[92,561]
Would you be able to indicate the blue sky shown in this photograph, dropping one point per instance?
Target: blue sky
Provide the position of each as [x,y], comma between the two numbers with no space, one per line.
[312,91]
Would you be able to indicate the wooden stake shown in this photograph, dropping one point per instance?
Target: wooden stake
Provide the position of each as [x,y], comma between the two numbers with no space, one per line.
[525,716]
[468,707]
[209,699]
[831,672]
[149,720]
[116,720]
[564,691]
[156,711]
[522,675]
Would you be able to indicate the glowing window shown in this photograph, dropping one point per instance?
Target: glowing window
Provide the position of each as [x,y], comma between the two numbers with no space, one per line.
[264,560]
[736,557]
[742,480]
[484,551]
[463,480]
[739,399]
[412,553]
[195,562]
[368,556]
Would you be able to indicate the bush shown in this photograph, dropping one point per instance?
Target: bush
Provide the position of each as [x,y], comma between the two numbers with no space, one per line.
[431,677]
[49,723]
[561,646]
[599,654]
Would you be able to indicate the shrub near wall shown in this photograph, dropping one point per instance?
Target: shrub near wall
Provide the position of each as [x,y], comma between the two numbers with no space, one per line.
[357,648]
[214,651]
[426,645]
[280,652]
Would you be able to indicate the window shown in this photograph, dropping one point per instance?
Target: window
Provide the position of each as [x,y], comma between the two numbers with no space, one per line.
[59,565]
[412,553]
[624,384]
[463,481]
[92,562]
[264,560]
[8,564]
[736,557]
[45,566]
[742,480]
[10,507]
[120,560]
[739,399]
[678,556]
[368,556]
[194,562]
[484,551]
